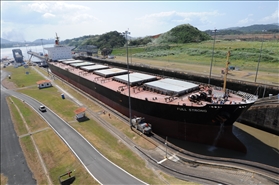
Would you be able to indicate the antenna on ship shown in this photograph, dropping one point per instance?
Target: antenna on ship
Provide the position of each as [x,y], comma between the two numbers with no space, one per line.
[226,71]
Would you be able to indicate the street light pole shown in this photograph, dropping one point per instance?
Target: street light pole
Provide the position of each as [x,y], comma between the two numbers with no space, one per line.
[212,56]
[166,143]
[259,58]
[131,53]
[43,46]
[126,37]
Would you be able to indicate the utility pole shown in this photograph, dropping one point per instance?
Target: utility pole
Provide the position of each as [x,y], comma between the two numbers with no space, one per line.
[43,46]
[126,37]
[259,57]
[212,56]
[166,143]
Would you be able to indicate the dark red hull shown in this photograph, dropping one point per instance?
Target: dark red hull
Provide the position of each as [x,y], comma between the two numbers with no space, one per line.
[197,124]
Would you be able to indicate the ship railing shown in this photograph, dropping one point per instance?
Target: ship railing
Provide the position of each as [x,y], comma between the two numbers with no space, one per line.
[97,78]
[170,98]
[122,87]
[138,89]
[104,80]
[84,73]
[247,96]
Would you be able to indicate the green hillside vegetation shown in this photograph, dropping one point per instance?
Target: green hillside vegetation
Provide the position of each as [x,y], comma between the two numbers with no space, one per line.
[183,34]
[180,34]
[108,40]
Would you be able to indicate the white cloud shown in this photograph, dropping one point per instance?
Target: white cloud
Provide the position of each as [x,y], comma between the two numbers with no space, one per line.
[172,18]
[245,21]
[39,7]
[79,18]
[273,18]
[179,16]
[48,15]
[56,7]
[63,12]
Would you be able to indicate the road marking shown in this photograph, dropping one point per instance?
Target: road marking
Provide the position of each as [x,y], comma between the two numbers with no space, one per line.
[161,161]
[173,156]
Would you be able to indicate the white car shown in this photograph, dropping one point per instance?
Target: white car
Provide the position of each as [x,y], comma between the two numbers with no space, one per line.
[42,108]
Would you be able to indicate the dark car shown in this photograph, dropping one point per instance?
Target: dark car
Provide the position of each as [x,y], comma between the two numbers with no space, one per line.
[42,108]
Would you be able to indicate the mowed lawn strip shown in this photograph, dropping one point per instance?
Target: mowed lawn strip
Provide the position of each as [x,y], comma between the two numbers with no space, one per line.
[19,127]
[56,155]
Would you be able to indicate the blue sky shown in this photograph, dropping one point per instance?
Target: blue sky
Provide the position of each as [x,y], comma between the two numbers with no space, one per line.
[31,20]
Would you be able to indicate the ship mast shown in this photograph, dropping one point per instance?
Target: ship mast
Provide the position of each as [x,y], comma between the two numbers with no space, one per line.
[226,71]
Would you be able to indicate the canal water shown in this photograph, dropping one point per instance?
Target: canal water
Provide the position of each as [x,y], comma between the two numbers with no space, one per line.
[8,52]
[262,147]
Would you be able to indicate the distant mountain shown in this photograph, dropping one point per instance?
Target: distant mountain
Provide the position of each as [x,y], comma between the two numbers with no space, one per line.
[5,41]
[43,41]
[253,29]
[256,28]
[8,44]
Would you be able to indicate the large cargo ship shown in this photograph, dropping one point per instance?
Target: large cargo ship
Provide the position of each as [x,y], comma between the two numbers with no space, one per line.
[175,108]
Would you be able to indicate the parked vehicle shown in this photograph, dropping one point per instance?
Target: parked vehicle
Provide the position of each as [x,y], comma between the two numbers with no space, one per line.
[42,108]
[140,124]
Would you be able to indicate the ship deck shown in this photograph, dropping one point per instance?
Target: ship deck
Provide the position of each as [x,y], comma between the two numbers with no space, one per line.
[150,95]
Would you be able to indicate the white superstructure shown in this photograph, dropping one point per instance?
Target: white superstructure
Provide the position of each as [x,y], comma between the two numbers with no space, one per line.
[59,52]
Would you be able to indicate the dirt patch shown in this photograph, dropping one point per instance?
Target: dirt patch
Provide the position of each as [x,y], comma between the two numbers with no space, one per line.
[8,85]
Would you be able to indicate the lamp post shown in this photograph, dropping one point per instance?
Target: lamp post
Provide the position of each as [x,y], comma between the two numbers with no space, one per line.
[126,37]
[212,56]
[259,57]
[43,46]
[131,53]
[166,143]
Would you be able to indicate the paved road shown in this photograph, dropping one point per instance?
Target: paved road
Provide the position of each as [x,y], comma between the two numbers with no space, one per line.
[97,165]
[13,163]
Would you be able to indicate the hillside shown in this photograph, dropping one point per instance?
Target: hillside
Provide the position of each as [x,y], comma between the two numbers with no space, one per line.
[5,41]
[180,34]
[108,40]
